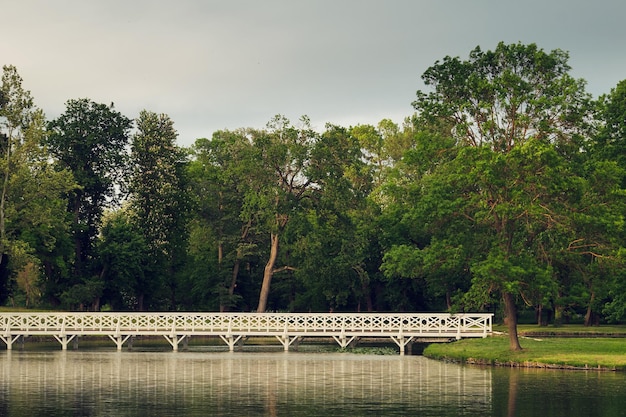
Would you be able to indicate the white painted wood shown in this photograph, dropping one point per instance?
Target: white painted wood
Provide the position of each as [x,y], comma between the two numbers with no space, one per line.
[232,327]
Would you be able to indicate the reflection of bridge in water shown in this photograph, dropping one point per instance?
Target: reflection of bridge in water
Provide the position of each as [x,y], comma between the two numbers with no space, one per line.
[252,383]
[234,328]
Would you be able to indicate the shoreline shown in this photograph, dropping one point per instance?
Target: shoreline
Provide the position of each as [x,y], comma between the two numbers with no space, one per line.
[584,352]
[525,365]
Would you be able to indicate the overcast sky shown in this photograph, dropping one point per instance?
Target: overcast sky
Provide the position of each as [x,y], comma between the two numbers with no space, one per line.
[227,64]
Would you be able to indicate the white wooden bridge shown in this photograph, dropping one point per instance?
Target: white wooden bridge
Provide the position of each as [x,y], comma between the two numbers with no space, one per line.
[234,328]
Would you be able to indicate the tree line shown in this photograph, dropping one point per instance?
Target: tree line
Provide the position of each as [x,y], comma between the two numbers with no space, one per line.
[503,191]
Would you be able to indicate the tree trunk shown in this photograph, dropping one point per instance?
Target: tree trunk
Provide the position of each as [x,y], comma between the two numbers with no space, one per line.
[4,252]
[231,287]
[268,273]
[233,281]
[235,272]
[558,314]
[511,319]
[367,293]
[220,255]
[589,314]
[78,244]
[4,277]
[365,288]
[140,298]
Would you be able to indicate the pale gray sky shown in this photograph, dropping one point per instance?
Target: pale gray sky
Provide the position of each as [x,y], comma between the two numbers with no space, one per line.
[228,64]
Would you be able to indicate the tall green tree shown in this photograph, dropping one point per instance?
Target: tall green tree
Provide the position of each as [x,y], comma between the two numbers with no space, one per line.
[608,150]
[328,251]
[16,110]
[383,147]
[90,140]
[282,185]
[159,203]
[219,182]
[32,208]
[516,106]
[421,245]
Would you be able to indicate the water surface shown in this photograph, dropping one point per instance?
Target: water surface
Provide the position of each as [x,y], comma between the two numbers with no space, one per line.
[111,383]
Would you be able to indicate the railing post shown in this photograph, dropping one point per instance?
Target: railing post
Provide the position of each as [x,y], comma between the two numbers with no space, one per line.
[486,323]
[286,337]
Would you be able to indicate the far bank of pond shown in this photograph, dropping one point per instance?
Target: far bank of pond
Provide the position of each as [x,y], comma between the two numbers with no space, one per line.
[562,348]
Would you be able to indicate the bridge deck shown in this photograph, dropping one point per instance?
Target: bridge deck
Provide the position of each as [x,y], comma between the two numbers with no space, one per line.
[232,328]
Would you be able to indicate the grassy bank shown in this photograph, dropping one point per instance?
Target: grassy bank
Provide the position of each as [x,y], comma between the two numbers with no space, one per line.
[569,330]
[607,353]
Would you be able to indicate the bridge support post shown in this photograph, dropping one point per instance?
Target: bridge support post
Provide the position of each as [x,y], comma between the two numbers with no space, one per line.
[64,340]
[174,340]
[9,339]
[402,341]
[286,341]
[230,340]
[343,341]
[241,341]
[119,340]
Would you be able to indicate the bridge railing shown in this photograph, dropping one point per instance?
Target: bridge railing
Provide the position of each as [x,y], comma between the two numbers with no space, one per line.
[234,326]
[251,322]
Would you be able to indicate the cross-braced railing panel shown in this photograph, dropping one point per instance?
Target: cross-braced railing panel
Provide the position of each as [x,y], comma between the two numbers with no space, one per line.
[243,323]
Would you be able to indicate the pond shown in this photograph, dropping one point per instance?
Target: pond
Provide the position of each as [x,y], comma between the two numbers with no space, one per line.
[142,383]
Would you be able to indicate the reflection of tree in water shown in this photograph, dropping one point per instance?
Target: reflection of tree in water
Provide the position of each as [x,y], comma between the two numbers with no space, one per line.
[512,404]
[271,407]
[530,392]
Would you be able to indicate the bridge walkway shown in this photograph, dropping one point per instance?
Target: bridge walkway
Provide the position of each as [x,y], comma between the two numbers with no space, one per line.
[234,328]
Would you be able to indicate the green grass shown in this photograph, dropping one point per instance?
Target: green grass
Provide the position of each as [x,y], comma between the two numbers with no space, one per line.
[569,329]
[596,352]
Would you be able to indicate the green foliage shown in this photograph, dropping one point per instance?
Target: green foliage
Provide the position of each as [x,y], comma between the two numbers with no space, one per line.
[615,307]
[503,97]
[609,143]
[33,221]
[370,350]
[508,183]
[225,179]
[323,252]
[513,190]
[90,141]
[159,207]
[82,295]
[123,254]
